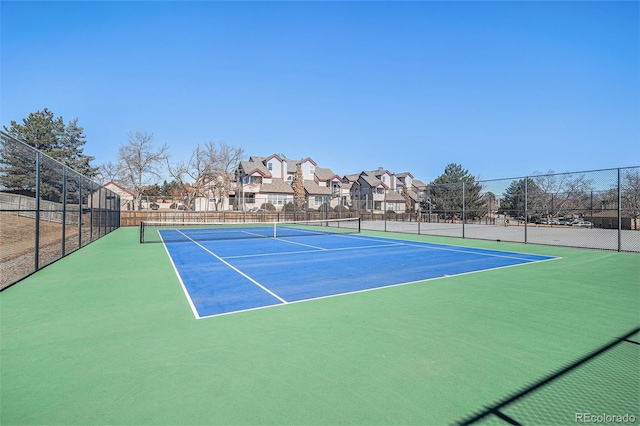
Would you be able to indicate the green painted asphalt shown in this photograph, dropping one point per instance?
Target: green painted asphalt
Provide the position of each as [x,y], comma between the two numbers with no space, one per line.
[106,336]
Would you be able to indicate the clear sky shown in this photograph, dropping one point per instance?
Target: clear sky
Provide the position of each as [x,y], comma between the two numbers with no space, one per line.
[502,88]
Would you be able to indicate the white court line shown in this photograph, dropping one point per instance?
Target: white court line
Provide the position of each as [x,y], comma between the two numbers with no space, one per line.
[300,244]
[241,256]
[365,290]
[184,288]
[235,269]
[460,249]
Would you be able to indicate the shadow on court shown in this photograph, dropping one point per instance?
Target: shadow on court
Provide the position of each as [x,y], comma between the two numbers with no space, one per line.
[601,387]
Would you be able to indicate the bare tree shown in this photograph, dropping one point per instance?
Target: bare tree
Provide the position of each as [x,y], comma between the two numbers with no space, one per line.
[140,162]
[208,173]
[630,193]
[561,194]
[298,188]
[109,172]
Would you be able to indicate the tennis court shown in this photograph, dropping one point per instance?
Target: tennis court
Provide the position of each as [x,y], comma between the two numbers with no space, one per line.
[378,328]
[230,268]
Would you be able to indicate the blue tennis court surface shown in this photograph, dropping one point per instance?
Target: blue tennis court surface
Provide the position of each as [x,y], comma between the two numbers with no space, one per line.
[226,276]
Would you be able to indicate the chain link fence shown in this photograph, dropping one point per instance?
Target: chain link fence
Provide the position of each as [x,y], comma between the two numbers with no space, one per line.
[595,209]
[47,210]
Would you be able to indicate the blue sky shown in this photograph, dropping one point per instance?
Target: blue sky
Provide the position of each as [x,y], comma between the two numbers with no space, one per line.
[502,88]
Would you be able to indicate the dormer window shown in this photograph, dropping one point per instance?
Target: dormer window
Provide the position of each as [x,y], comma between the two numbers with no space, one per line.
[270,165]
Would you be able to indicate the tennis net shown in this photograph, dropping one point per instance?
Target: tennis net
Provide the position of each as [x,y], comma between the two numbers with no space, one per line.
[160,231]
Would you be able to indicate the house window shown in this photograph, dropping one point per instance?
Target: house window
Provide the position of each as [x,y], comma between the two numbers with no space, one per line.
[277,199]
[317,200]
[250,198]
[270,166]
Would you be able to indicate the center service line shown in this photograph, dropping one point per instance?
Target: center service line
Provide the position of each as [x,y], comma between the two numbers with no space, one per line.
[234,268]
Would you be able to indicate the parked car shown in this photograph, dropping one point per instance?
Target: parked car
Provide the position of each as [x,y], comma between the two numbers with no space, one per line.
[582,223]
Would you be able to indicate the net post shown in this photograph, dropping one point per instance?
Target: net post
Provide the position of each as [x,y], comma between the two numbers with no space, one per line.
[142,232]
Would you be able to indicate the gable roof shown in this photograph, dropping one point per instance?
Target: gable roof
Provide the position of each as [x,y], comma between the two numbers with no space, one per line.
[324,174]
[118,188]
[277,186]
[404,174]
[312,188]
[251,167]
[372,181]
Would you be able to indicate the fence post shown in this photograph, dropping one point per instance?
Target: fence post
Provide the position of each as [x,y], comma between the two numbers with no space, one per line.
[80,212]
[526,207]
[619,210]
[91,195]
[64,209]
[464,209]
[37,212]
[385,210]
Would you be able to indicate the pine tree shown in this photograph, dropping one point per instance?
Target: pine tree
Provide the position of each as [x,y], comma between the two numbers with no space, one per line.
[447,192]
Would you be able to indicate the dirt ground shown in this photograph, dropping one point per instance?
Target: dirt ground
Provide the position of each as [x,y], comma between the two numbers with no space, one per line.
[17,239]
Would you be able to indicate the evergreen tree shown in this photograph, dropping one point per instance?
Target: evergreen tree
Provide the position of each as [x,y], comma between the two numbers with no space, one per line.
[71,151]
[447,191]
[42,131]
[18,165]
[513,198]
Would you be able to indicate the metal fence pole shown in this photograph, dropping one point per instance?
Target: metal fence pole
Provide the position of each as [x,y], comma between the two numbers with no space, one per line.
[619,210]
[64,209]
[80,212]
[385,210]
[526,208]
[37,213]
[90,211]
[464,208]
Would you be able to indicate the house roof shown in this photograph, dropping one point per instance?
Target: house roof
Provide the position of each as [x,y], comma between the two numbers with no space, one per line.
[609,214]
[324,174]
[404,174]
[251,167]
[277,186]
[394,196]
[372,181]
[118,188]
[312,188]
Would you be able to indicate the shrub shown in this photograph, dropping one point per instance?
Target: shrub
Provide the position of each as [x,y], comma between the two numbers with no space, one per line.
[268,206]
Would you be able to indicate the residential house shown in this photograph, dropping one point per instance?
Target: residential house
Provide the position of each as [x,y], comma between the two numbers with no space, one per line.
[416,189]
[609,220]
[268,180]
[126,197]
[377,190]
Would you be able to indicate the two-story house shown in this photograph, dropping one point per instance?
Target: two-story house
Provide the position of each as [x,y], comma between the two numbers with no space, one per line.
[262,180]
[268,180]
